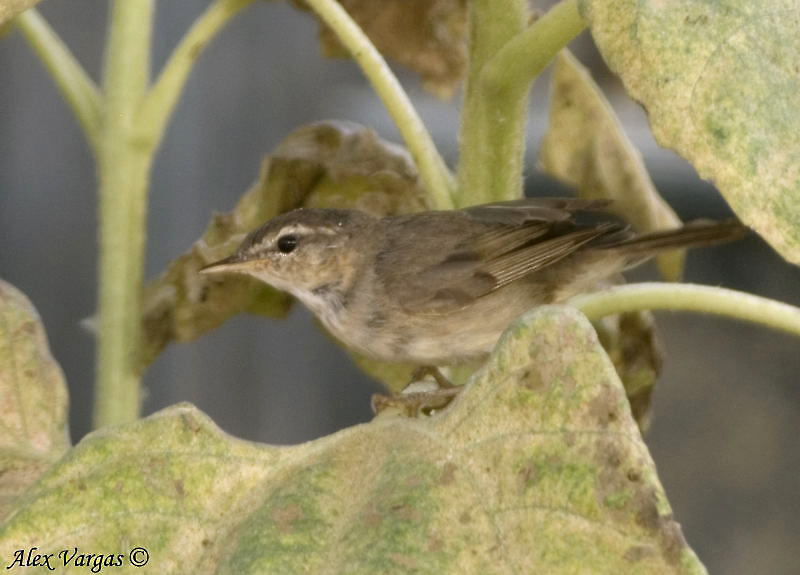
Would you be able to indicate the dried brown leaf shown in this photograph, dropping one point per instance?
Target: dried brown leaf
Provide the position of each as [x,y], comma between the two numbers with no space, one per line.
[12,8]
[632,343]
[428,36]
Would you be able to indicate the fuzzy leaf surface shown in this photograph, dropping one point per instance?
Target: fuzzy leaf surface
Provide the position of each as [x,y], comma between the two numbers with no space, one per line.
[721,84]
[33,396]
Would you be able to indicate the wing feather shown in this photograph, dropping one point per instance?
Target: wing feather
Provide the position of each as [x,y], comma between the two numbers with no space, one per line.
[488,247]
[512,266]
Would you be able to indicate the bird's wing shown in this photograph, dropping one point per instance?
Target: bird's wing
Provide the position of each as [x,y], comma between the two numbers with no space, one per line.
[527,210]
[484,249]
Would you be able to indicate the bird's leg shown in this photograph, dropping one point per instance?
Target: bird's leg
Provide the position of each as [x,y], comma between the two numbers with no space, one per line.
[412,403]
[421,372]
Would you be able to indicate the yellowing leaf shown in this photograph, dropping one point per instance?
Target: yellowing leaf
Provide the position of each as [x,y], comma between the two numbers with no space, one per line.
[33,396]
[586,147]
[721,84]
[537,467]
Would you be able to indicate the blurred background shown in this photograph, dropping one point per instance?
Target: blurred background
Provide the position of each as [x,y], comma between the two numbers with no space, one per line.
[727,410]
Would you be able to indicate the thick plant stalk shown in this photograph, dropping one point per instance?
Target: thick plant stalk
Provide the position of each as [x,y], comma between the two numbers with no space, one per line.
[492,23]
[124,125]
[134,121]
[505,58]
[124,169]
[526,55]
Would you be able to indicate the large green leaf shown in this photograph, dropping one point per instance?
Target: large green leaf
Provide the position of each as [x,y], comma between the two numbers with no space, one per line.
[537,467]
[720,80]
[33,396]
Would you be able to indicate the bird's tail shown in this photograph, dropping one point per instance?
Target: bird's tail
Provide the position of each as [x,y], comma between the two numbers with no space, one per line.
[694,234]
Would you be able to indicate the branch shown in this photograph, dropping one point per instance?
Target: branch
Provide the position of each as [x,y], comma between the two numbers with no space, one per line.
[690,297]
[431,166]
[79,91]
[160,101]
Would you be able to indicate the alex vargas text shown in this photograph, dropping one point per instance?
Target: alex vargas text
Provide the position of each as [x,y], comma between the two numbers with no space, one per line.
[65,558]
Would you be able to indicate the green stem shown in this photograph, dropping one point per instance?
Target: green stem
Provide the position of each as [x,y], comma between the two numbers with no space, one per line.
[526,55]
[124,168]
[431,166]
[78,89]
[160,101]
[493,128]
[690,297]
[490,128]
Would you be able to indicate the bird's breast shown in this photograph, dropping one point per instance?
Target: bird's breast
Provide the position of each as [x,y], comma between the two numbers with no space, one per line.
[380,328]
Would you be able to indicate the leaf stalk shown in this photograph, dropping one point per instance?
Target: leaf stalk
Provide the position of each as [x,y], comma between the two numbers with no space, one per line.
[690,297]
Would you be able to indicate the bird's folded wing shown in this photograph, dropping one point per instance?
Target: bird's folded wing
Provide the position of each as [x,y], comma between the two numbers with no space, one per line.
[450,277]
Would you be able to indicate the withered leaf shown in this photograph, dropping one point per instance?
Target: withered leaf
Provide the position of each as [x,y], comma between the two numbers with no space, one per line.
[11,8]
[428,36]
[632,343]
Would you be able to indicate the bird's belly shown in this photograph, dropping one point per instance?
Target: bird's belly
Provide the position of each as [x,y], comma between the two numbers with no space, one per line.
[429,347]
[437,339]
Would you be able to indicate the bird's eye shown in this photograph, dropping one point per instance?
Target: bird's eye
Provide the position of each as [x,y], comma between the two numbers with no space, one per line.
[287,243]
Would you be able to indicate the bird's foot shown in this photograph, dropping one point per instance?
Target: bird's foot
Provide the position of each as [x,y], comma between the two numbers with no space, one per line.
[414,403]
[411,402]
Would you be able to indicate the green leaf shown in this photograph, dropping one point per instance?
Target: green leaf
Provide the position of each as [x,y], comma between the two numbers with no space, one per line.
[720,82]
[586,147]
[328,164]
[33,395]
[537,467]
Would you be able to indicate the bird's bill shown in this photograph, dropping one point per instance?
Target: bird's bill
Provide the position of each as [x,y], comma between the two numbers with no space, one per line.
[231,264]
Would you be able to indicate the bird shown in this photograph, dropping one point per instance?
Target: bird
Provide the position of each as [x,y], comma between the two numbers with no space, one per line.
[437,288]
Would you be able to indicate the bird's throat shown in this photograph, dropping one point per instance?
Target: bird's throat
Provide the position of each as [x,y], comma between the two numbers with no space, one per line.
[327,301]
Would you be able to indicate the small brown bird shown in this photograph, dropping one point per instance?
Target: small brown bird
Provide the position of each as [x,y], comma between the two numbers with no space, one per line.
[439,287]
